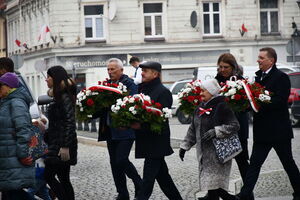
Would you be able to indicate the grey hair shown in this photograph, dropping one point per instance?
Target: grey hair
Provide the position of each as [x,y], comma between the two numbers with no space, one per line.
[116,60]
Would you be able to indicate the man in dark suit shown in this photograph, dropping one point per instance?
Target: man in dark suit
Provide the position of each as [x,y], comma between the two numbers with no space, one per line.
[154,146]
[271,125]
[119,140]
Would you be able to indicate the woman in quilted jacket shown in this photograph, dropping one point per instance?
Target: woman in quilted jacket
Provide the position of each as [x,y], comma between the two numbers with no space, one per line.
[16,167]
[61,136]
[212,119]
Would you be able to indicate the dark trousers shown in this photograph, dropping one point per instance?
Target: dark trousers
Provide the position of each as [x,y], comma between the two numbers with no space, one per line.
[259,154]
[157,169]
[121,166]
[242,159]
[62,187]
[15,195]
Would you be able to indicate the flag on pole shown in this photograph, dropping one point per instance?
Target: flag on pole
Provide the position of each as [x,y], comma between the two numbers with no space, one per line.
[244,30]
[18,42]
[43,32]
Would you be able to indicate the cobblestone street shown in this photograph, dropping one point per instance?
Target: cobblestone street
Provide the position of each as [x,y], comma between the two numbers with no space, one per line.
[92,177]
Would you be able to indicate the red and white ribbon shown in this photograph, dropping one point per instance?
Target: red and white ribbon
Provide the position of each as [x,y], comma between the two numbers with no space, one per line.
[112,89]
[206,111]
[250,96]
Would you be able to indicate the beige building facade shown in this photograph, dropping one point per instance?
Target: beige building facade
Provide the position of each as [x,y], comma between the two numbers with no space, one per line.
[82,34]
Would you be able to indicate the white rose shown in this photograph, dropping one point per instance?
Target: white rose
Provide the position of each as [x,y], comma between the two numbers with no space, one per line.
[267,92]
[131,100]
[232,91]
[131,109]
[134,112]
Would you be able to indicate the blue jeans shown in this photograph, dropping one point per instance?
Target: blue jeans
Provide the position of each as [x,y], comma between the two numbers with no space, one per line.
[40,189]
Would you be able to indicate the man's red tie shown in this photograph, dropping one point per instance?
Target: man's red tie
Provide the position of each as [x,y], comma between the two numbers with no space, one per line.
[206,111]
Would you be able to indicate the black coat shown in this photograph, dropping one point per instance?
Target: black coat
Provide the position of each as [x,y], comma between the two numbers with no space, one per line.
[61,131]
[150,144]
[242,117]
[106,132]
[272,124]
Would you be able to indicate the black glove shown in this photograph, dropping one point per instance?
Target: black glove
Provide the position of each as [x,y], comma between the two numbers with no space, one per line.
[181,153]
[209,135]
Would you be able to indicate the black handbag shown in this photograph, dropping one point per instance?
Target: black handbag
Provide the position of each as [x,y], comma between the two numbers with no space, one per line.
[227,148]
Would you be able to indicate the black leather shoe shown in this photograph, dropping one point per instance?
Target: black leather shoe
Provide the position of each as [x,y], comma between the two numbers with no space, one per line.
[239,197]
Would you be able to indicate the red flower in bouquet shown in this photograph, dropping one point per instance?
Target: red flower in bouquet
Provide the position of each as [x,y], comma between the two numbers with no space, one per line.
[235,94]
[96,98]
[259,95]
[139,108]
[189,97]
[240,94]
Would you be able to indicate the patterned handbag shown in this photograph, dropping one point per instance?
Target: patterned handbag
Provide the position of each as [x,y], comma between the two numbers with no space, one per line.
[227,148]
[37,145]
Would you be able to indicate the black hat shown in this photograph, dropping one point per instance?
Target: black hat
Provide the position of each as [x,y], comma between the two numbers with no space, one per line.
[151,65]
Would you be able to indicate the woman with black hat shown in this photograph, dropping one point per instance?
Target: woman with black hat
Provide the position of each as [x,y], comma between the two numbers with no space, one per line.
[61,136]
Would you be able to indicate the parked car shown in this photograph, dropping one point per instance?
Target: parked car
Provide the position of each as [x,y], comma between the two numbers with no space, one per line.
[175,89]
[294,98]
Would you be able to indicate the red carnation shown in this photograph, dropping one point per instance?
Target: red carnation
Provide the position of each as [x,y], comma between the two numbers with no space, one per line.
[191,98]
[90,102]
[157,105]
[237,97]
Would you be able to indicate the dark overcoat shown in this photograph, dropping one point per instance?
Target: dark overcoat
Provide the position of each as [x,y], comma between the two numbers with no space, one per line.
[106,132]
[61,131]
[272,124]
[150,144]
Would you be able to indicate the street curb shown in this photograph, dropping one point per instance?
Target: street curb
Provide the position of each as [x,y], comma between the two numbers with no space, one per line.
[90,141]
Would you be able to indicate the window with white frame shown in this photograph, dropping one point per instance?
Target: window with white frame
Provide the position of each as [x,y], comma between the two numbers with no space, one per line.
[153,19]
[269,16]
[93,21]
[212,18]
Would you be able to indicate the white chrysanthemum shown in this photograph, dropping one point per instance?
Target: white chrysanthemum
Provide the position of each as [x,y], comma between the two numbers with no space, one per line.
[231,83]
[119,102]
[131,100]
[88,92]
[232,91]
[134,112]
[131,109]
[264,97]
[147,98]
[267,92]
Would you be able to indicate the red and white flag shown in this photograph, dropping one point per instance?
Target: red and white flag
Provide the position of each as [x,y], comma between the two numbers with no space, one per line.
[43,32]
[244,30]
[18,42]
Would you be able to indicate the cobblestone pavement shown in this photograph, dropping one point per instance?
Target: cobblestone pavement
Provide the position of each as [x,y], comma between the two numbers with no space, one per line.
[92,178]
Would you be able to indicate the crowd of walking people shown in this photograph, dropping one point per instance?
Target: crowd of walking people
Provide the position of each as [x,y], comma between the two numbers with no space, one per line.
[21,177]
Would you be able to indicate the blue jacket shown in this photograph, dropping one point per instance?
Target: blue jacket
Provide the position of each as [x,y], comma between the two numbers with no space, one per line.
[106,132]
[15,132]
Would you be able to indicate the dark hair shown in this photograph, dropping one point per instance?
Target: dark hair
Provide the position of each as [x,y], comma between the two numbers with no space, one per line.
[134,59]
[270,52]
[229,59]
[7,64]
[62,83]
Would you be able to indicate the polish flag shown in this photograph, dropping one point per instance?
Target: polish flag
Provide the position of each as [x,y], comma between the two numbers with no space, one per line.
[244,28]
[18,42]
[43,32]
